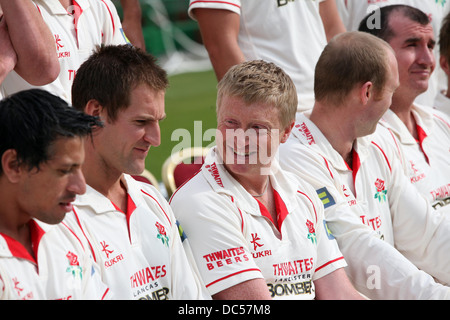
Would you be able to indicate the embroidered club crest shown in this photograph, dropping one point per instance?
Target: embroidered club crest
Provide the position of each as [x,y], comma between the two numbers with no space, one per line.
[381,192]
[74,266]
[312,232]
[162,234]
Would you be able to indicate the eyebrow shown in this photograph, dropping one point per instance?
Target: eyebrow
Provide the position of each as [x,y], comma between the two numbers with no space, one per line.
[417,39]
[151,117]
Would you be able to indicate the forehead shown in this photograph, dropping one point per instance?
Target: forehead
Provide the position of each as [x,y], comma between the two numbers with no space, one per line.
[236,107]
[145,100]
[66,150]
[405,29]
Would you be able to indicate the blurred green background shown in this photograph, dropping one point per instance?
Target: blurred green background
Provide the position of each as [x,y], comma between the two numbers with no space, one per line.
[175,40]
[191,97]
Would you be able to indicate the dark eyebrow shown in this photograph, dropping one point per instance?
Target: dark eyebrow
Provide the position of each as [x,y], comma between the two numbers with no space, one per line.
[414,40]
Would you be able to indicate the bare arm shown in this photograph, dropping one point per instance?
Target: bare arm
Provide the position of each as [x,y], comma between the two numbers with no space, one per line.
[33,42]
[331,19]
[336,286]
[255,289]
[219,29]
[131,23]
[8,57]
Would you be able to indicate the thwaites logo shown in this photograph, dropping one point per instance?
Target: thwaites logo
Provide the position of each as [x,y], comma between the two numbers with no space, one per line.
[225,257]
[110,259]
[304,130]
[215,173]
[146,286]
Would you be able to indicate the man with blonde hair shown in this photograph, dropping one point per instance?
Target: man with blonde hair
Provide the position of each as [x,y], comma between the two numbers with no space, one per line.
[393,240]
[256,232]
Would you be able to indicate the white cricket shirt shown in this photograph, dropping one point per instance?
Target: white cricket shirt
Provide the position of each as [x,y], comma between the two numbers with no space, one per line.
[287,33]
[93,23]
[63,268]
[140,253]
[427,161]
[233,239]
[384,228]
[442,103]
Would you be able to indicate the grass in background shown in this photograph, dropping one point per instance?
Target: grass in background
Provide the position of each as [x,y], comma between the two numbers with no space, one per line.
[191,97]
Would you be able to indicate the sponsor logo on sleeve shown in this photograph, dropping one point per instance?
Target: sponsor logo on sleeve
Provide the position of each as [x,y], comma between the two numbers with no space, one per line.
[326,198]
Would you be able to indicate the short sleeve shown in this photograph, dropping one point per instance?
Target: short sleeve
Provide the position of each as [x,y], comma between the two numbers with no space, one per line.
[212,223]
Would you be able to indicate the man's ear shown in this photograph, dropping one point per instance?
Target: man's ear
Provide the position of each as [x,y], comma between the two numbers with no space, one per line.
[287,132]
[93,108]
[366,92]
[445,65]
[10,166]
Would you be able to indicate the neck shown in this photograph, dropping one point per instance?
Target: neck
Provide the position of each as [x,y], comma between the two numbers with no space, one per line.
[66,3]
[13,220]
[403,100]
[259,195]
[255,184]
[100,176]
[17,231]
[403,110]
[340,133]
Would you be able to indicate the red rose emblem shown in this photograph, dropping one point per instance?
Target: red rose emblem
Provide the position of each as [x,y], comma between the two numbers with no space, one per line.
[73,259]
[161,229]
[310,226]
[379,184]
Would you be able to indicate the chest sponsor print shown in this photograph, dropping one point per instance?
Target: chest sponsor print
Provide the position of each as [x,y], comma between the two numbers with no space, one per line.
[259,250]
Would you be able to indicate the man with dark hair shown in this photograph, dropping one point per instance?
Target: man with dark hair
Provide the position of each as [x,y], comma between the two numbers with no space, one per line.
[129,224]
[385,30]
[353,11]
[419,133]
[41,156]
[442,102]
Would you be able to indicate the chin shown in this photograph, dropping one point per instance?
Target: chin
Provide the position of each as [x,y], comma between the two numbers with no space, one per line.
[55,218]
[135,168]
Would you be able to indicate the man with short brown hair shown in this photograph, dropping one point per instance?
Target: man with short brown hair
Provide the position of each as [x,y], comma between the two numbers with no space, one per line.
[384,228]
